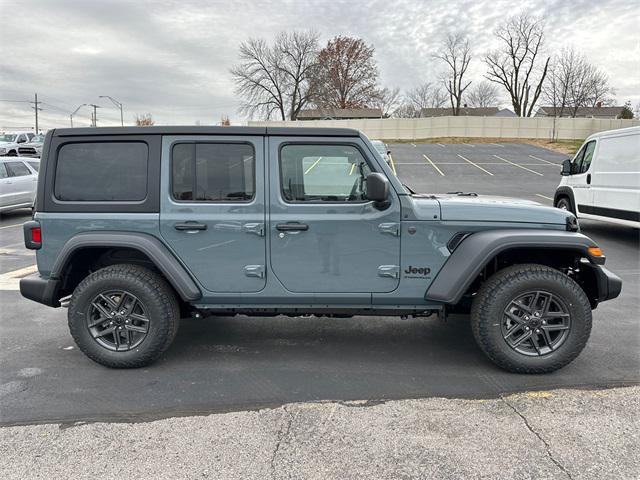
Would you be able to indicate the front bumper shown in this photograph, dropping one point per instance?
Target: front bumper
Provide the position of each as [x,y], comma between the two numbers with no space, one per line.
[609,284]
[41,290]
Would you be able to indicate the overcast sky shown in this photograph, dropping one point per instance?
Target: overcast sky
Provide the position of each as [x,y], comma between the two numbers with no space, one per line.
[172,58]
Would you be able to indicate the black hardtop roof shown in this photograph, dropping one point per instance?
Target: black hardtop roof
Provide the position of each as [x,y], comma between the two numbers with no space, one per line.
[200,130]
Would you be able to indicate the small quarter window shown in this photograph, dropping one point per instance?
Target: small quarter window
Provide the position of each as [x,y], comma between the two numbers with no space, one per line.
[323,173]
[213,172]
[102,172]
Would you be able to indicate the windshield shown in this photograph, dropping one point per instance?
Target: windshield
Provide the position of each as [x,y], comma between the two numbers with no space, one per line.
[8,138]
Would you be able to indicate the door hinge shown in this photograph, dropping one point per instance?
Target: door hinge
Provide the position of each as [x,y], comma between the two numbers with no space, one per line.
[392,271]
[257,228]
[254,271]
[391,228]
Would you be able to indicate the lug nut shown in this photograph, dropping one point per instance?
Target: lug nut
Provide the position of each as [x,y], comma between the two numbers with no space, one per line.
[113,313]
[527,328]
[537,314]
[537,331]
[544,322]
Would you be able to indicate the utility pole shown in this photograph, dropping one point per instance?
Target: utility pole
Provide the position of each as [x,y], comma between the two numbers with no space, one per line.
[95,113]
[76,111]
[36,108]
[117,104]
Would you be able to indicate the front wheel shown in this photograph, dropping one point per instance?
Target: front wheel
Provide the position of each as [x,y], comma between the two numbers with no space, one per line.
[564,203]
[123,316]
[531,319]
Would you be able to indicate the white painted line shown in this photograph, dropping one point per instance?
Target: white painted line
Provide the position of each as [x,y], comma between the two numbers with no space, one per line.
[519,166]
[469,145]
[544,196]
[409,163]
[11,226]
[393,165]
[441,145]
[497,145]
[312,166]
[433,164]
[476,165]
[543,160]
[414,145]
[11,280]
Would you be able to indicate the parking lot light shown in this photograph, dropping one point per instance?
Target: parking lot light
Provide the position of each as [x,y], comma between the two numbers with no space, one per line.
[117,104]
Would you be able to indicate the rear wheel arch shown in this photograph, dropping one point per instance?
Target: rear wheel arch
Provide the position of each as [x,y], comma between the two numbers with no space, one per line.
[88,252]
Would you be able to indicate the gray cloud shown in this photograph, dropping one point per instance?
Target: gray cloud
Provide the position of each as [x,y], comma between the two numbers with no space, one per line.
[172,58]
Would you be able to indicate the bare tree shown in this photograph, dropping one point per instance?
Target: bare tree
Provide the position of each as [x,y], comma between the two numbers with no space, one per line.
[573,83]
[483,94]
[516,65]
[276,79]
[426,95]
[144,120]
[456,53]
[347,74]
[387,100]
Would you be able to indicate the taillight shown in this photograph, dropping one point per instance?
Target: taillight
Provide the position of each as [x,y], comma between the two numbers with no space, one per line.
[32,235]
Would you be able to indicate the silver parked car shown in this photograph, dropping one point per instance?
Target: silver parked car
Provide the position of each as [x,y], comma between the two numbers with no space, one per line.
[383,150]
[18,181]
[33,148]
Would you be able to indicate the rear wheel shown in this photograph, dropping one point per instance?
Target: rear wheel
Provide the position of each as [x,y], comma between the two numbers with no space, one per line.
[123,316]
[531,319]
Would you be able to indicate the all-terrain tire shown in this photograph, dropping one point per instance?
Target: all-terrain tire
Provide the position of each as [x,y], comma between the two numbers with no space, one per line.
[487,315]
[155,294]
[564,203]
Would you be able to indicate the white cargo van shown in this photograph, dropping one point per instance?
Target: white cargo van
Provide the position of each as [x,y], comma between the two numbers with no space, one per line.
[602,181]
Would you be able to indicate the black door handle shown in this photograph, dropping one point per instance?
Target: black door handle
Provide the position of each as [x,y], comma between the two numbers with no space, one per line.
[588,179]
[190,226]
[292,227]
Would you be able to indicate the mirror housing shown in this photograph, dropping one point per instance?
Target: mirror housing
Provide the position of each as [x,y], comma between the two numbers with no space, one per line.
[388,152]
[566,168]
[378,189]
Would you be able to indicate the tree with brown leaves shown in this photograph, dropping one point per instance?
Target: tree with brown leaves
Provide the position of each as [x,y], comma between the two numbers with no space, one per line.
[347,74]
[144,120]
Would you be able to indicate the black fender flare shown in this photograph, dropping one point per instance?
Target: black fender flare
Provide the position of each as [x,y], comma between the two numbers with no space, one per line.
[153,248]
[565,192]
[478,249]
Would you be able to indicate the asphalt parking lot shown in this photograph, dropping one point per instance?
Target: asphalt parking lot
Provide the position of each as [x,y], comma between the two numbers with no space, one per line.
[228,364]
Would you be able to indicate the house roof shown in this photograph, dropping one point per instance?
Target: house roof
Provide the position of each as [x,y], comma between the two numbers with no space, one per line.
[464,111]
[583,111]
[329,113]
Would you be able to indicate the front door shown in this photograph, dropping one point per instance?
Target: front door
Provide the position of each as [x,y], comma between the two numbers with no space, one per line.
[325,236]
[213,209]
[581,175]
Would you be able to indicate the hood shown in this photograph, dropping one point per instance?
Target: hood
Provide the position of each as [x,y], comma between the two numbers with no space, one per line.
[487,208]
[7,144]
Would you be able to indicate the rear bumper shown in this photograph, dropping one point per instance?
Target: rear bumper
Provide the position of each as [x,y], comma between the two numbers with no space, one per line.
[41,290]
[609,284]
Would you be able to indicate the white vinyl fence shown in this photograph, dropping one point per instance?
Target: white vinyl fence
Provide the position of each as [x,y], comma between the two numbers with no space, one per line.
[488,127]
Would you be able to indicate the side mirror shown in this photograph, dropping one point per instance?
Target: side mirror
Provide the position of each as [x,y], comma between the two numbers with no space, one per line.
[378,189]
[566,168]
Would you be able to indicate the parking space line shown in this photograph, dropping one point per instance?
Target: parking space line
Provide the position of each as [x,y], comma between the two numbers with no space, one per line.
[414,145]
[353,167]
[11,280]
[543,160]
[393,165]
[11,226]
[497,145]
[469,145]
[433,164]
[544,196]
[312,166]
[519,166]
[475,165]
[441,145]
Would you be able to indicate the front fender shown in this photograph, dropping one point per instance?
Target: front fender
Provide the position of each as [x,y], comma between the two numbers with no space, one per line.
[478,249]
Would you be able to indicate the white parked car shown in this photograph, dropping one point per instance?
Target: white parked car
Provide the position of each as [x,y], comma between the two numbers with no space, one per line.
[18,181]
[602,181]
[32,148]
[10,142]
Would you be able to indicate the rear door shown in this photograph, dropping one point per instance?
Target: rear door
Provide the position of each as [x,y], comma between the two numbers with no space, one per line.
[326,238]
[23,181]
[213,209]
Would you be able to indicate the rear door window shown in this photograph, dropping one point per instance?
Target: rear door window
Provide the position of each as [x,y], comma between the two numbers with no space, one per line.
[102,172]
[17,169]
[3,171]
[213,172]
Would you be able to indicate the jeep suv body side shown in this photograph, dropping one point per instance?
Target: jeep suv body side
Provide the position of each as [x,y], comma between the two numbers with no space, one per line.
[261,220]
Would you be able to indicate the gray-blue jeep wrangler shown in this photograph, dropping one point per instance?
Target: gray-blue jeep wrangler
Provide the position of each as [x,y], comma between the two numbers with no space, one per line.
[136,228]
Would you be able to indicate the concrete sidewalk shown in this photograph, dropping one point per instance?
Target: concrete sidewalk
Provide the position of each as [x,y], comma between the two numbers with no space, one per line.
[558,434]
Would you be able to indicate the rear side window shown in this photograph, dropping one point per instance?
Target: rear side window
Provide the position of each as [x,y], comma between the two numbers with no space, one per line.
[35,166]
[102,172]
[213,172]
[3,171]
[17,169]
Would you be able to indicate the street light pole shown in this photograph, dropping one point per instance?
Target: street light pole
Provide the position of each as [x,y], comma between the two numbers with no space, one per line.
[117,104]
[95,113]
[74,112]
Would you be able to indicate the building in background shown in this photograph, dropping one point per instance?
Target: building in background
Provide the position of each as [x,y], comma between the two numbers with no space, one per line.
[468,112]
[581,112]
